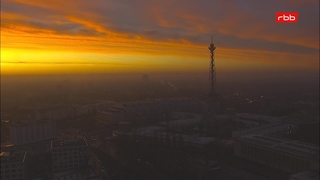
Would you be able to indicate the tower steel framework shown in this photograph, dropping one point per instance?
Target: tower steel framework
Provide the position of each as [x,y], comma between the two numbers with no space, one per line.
[212,72]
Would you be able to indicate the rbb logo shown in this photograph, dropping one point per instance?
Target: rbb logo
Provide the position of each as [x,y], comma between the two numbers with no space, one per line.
[286,17]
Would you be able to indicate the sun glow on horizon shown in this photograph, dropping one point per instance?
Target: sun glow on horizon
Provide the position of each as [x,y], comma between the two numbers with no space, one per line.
[66,41]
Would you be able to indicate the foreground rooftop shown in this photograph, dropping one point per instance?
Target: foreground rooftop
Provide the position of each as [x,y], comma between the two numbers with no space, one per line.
[307,175]
[68,143]
[13,157]
[288,146]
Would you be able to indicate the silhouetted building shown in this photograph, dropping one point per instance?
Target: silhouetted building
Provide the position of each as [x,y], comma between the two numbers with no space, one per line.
[55,114]
[24,132]
[151,108]
[280,153]
[69,154]
[62,112]
[307,175]
[148,110]
[111,115]
[13,165]
[86,173]
[257,118]
[155,135]
[183,123]
[268,129]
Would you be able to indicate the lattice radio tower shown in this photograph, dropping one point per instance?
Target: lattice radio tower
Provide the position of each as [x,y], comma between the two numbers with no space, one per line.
[212,72]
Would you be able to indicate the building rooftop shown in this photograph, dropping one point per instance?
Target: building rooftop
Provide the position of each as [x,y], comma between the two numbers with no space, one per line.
[180,98]
[104,112]
[155,131]
[195,139]
[146,102]
[301,119]
[29,122]
[268,128]
[13,157]
[149,129]
[307,175]
[188,138]
[42,107]
[183,121]
[109,111]
[117,108]
[87,172]
[68,143]
[257,117]
[289,146]
[224,117]
[154,101]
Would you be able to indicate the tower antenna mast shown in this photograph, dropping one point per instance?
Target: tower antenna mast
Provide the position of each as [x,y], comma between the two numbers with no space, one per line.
[212,72]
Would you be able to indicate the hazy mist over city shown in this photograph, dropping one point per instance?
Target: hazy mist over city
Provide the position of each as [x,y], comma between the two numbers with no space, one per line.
[159,90]
[115,86]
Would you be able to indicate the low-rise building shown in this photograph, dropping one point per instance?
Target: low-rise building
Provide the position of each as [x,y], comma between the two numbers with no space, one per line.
[285,154]
[13,165]
[84,110]
[307,175]
[182,124]
[257,118]
[149,108]
[86,173]
[61,113]
[112,115]
[267,129]
[30,131]
[156,135]
[55,113]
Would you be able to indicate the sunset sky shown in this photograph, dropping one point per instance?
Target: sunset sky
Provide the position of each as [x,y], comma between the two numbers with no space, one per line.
[96,36]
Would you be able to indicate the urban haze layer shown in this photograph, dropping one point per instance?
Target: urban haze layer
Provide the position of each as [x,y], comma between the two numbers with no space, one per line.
[159,90]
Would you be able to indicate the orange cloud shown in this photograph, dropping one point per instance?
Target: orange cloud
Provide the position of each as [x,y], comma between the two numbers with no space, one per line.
[161,38]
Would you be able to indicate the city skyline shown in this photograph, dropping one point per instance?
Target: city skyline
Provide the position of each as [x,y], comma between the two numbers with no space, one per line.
[163,90]
[57,37]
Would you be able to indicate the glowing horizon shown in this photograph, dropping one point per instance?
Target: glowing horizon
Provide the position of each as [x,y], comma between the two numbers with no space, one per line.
[101,39]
